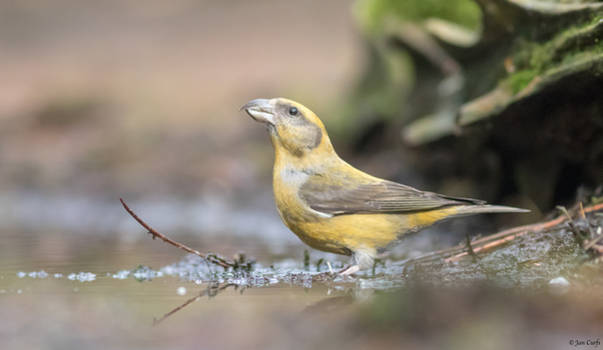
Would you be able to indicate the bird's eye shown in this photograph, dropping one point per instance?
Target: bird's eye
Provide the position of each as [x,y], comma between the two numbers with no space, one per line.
[293,111]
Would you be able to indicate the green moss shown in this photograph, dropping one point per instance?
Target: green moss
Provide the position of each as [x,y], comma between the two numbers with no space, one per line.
[519,80]
[372,13]
[541,57]
[580,55]
[533,59]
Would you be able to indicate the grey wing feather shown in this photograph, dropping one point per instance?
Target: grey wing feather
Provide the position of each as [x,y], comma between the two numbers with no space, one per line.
[374,197]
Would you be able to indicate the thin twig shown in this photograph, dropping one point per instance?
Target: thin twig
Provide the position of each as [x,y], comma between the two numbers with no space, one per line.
[486,246]
[500,238]
[564,211]
[597,248]
[582,213]
[212,258]
[470,247]
[592,242]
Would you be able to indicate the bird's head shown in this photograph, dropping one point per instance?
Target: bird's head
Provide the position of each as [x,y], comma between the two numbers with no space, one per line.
[293,127]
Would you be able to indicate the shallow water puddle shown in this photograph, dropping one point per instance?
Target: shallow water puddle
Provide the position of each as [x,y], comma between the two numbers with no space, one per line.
[61,291]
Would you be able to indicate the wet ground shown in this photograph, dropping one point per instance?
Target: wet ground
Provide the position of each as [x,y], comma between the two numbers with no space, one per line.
[122,289]
[59,292]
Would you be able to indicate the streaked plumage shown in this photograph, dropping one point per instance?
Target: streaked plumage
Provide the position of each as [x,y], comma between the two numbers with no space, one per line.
[335,207]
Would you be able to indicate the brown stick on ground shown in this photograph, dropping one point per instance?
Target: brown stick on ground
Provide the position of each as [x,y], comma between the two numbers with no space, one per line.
[500,238]
[209,257]
[511,234]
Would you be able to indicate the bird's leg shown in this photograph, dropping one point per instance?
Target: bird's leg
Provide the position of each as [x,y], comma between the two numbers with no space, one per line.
[363,259]
[352,269]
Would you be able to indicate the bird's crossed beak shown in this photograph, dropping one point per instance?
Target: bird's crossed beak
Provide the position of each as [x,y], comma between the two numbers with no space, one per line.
[260,110]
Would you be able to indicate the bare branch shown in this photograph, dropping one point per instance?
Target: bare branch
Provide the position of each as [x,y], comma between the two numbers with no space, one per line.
[457,252]
[212,258]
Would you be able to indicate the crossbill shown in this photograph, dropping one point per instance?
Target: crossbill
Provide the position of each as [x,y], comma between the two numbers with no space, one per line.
[334,207]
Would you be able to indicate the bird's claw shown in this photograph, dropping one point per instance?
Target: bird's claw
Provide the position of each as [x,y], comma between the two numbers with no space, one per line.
[350,270]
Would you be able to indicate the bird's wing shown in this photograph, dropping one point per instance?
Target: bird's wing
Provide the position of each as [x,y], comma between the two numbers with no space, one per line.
[348,196]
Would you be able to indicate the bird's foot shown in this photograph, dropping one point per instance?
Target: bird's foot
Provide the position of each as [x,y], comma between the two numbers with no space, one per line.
[350,270]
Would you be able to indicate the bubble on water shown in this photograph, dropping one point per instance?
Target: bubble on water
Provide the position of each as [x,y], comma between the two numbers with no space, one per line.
[191,268]
[21,274]
[38,274]
[58,275]
[145,273]
[240,281]
[82,276]
[559,281]
[121,275]
[559,285]
[181,291]
[169,270]
[19,291]
[258,280]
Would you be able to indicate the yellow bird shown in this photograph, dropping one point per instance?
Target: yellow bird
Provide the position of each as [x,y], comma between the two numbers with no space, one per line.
[334,207]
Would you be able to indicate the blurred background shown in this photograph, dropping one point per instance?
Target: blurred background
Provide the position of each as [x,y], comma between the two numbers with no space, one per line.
[122,99]
[142,102]
[111,100]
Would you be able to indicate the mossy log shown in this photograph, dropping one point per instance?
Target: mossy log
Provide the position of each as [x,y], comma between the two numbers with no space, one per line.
[521,95]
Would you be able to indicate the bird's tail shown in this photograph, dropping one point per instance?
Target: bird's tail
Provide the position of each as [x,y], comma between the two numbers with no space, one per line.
[487,208]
